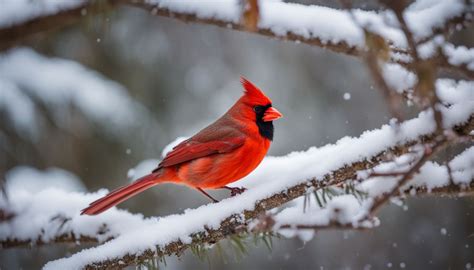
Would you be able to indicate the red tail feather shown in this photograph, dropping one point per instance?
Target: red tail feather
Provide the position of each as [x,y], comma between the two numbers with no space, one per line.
[121,194]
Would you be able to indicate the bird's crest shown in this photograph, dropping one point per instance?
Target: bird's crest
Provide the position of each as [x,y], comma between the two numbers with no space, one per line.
[253,93]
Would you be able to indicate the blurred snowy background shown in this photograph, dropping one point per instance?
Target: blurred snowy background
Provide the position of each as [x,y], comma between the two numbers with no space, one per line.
[81,106]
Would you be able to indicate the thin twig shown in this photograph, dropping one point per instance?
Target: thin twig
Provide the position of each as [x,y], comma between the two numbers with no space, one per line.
[429,152]
[334,225]
[65,238]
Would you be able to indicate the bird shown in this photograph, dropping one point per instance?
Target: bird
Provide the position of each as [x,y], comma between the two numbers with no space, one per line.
[222,153]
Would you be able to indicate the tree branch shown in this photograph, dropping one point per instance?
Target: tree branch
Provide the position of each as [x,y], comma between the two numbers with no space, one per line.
[428,153]
[336,213]
[266,222]
[62,239]
[240,222]
[235,224]
[449,190]
[12,35]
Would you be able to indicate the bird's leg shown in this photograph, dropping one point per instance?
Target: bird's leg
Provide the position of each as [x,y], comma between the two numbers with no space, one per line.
[235,190]
[207,195]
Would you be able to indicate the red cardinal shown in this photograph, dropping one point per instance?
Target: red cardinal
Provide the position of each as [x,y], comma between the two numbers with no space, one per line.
[222,153]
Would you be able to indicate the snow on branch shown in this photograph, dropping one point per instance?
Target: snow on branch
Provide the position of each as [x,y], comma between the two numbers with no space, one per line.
[324,27]
[22,18]
[19,11]
[461,57]
[432,176]
[314,25]
[350,179]
[277,181]
[41,208]
[56,224]
[30,82]
[340,209]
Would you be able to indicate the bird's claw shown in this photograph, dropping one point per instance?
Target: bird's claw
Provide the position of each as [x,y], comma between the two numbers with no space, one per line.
[236,191]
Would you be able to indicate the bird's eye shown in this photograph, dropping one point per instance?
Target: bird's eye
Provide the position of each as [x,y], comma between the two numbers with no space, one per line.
[257,109]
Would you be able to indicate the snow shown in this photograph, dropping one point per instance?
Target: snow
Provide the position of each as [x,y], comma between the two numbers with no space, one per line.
[307,21]
[47,204]
[424,15]
[451,91]
[27,77]
[398,77]
[19,108]
[346,96]
[23,178]
[227,10]
[347,209]
[310,21]
[431,175]
[456,56]
[459,55]
[141,169]
[146,166]
[343,209]
[38,198]
[317,22]
[171,145]
[444,231]
[463,167]
[272,176]
[17,11]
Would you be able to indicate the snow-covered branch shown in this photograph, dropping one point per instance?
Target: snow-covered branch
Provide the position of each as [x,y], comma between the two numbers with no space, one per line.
[39,208]
[342,208]
[50,215]
[34,88]
[460,57]
[57,225]
[350,180]
[312,25]
[278,183]
[21,19]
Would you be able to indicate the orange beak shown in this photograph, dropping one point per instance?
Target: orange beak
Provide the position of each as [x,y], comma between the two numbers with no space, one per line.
[271,114]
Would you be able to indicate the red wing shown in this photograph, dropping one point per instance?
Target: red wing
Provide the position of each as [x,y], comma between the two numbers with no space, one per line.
[189,150]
